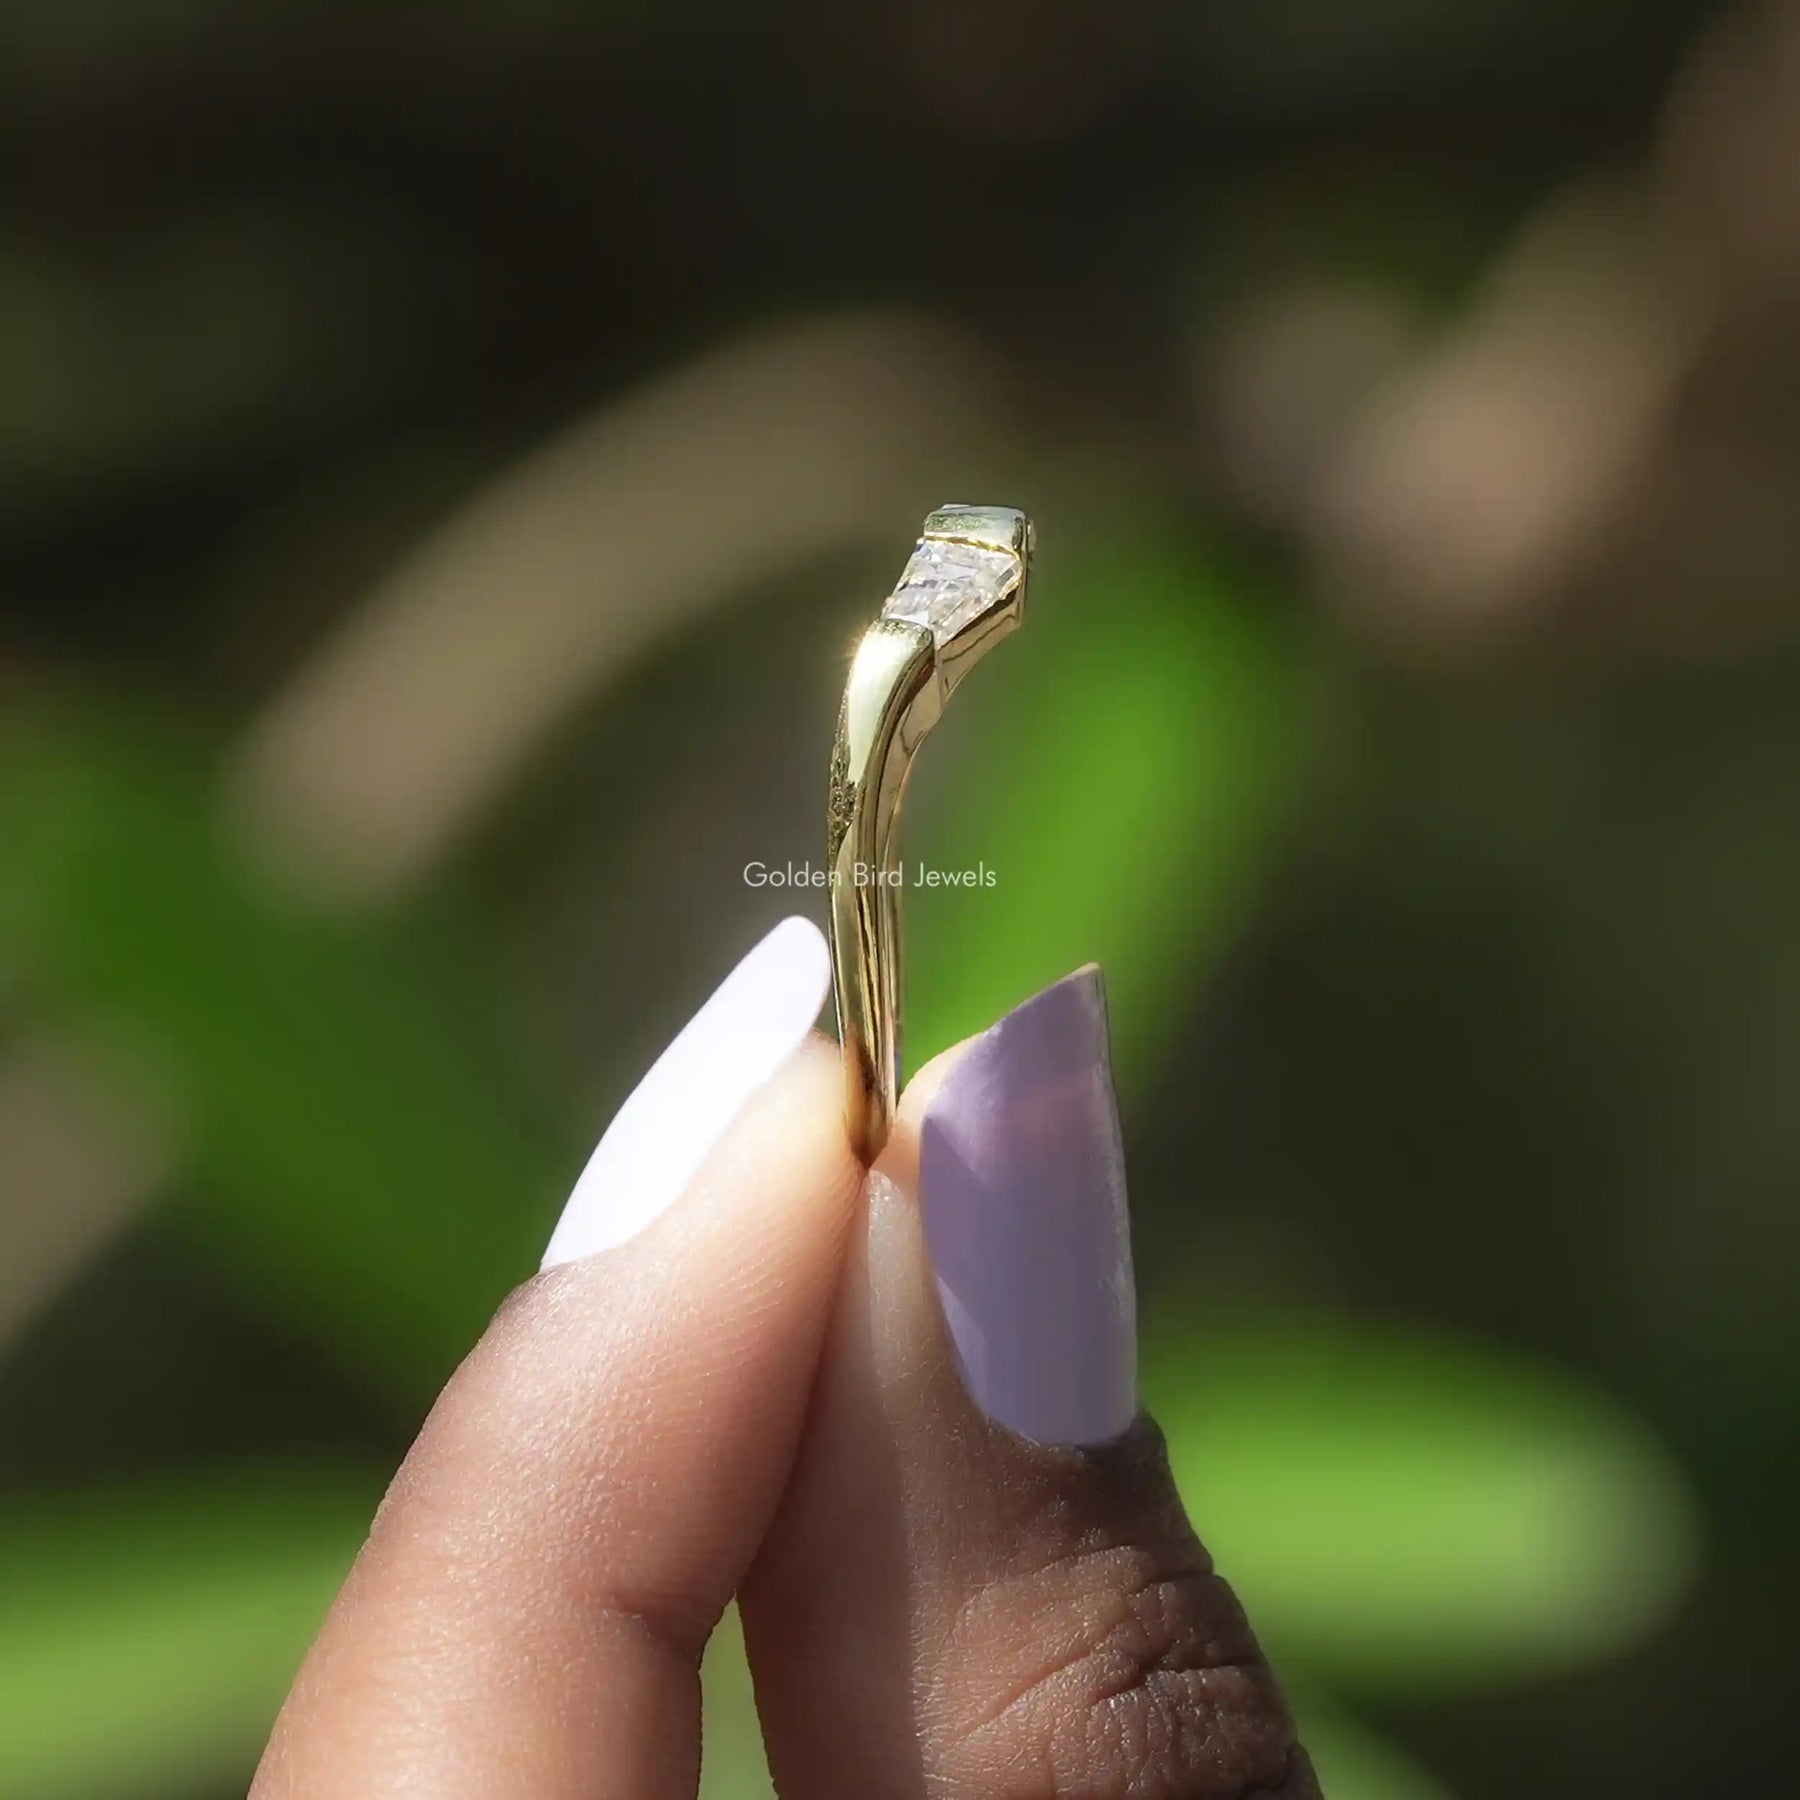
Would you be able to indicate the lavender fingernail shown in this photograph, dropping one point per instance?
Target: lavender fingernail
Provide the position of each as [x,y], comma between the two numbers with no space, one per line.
[1022,1187]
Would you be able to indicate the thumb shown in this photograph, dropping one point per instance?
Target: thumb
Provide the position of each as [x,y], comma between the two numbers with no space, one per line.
[982,1582]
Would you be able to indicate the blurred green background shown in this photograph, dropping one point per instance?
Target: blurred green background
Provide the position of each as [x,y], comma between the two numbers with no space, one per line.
[445,455]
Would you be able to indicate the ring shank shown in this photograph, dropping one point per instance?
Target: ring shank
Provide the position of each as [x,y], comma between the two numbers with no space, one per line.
[891,702]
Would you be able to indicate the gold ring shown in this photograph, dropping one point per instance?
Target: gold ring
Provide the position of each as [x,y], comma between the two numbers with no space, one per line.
[961,592]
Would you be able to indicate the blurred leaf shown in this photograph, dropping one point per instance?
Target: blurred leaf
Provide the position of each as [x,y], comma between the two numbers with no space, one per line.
[1121,770]
[733,1766]
[355,1159]
[149,1634]
[1406,1513]
[1354,1763]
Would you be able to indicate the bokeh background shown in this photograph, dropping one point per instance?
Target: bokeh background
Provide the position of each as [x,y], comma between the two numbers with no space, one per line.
[445,455]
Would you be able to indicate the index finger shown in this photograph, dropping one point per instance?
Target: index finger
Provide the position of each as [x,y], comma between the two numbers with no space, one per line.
[528,1615]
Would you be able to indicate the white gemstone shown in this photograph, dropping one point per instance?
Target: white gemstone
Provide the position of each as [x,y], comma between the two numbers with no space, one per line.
[947,585]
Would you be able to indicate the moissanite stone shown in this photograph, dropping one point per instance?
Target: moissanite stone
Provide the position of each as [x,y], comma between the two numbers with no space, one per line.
[946,585]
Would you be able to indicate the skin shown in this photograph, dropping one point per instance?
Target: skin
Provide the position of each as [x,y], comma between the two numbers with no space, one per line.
[755,1397]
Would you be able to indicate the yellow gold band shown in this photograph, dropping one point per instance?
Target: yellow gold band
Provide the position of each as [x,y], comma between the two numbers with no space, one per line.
[962,591]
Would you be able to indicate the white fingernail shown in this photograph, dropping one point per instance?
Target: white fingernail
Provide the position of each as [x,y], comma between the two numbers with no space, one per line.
[758,1017]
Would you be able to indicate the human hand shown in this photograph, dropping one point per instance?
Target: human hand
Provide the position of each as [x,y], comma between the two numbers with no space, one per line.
[893,1414]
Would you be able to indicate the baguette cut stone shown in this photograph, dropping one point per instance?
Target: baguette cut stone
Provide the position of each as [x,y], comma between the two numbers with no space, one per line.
[946,585]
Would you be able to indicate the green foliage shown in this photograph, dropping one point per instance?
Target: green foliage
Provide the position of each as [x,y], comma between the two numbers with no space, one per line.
[1353,1763]
[1119,778]
[732,1766]
[334,1085]
[149,1634]
[1408,1514]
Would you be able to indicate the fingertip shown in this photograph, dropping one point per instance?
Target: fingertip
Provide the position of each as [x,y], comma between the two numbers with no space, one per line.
[733,1047]
[1012,1147]
[798,1121]
[899,1159]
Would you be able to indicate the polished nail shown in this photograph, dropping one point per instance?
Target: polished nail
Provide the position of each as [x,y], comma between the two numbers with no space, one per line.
[754,1022]
[1022,1187]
